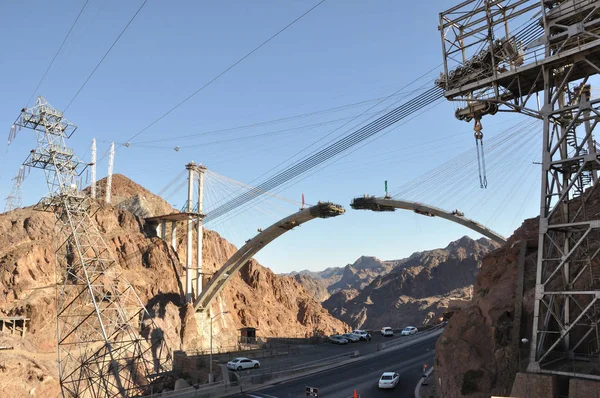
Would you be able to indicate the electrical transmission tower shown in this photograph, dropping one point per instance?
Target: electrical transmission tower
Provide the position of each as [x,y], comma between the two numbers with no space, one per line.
[108,345]
[502,55]
[14,200]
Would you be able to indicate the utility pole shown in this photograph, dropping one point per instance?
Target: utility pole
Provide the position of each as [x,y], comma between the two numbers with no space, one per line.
[111,165]
[93,183]
[492,63]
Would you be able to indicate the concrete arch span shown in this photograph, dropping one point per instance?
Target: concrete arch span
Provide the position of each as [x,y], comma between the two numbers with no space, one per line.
[388,204]
[254,245]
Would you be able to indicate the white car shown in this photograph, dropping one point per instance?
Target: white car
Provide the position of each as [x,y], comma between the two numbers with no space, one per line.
[408,331]
[243,363]
[389,380]
[363,334]
[387,331]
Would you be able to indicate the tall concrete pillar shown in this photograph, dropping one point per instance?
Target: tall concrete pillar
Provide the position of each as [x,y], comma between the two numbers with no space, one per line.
[201,169]
[191,167]
[174,235]
[163,229]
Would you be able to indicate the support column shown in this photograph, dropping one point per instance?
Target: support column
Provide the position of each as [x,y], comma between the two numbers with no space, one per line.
[191,167]
[174,235]
[163,229]
[201,169]
[93,182]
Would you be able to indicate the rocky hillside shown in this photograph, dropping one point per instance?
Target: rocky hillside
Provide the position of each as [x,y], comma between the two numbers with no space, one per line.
[417,290]
[486,335]
[481,334]
[316,287]
[128,195]
[275,305]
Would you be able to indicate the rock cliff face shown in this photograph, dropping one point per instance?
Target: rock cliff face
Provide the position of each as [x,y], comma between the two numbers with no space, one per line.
[316,287]
[275,305]
[417,290]
[478,355]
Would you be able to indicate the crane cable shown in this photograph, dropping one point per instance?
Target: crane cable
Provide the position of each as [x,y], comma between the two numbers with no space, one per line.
[480,160]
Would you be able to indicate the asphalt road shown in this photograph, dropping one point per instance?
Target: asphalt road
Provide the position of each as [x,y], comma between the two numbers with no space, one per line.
[309,353]
[340,382]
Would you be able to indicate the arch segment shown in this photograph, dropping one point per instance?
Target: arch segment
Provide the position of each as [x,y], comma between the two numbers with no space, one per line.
[388,204]
[254,245]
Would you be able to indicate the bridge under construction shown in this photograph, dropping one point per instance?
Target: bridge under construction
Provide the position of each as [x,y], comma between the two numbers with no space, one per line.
[537,58]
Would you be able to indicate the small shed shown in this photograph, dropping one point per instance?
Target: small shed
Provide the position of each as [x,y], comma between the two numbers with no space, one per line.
[248,335]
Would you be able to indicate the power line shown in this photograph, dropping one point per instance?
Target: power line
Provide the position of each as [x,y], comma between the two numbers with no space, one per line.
[57,52]
[225,71]
[331,150]
[274,121]
[364,112]
[105,54]
[322,155]
[285,185]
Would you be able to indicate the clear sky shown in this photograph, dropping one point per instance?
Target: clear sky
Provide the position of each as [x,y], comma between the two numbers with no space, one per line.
[343,52]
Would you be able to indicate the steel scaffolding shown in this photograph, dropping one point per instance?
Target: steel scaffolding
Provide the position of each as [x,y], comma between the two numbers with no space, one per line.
[108,345]
[498,56]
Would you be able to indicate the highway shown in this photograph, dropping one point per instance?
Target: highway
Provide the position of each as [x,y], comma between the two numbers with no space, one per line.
[340,381]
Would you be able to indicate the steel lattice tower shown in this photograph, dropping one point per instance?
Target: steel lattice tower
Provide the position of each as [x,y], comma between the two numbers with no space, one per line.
[108,345]
[14,200]
[502,55]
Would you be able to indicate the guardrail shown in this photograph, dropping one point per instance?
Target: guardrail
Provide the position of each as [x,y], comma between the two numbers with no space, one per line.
[421,381]
[251,377]
[246,379]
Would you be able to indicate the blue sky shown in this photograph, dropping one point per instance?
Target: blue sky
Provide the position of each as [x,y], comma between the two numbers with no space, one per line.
[343,52]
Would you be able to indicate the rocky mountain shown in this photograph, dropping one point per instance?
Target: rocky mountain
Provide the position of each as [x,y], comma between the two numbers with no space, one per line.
[361,273]
[256,297]
[316,281]
[417,290]
[351,278]
[317,288]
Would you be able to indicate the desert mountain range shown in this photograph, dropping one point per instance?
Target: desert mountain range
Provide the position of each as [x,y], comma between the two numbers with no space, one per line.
[371,293]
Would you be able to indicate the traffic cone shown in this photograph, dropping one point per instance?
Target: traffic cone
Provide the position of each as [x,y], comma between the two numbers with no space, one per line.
[355,394]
